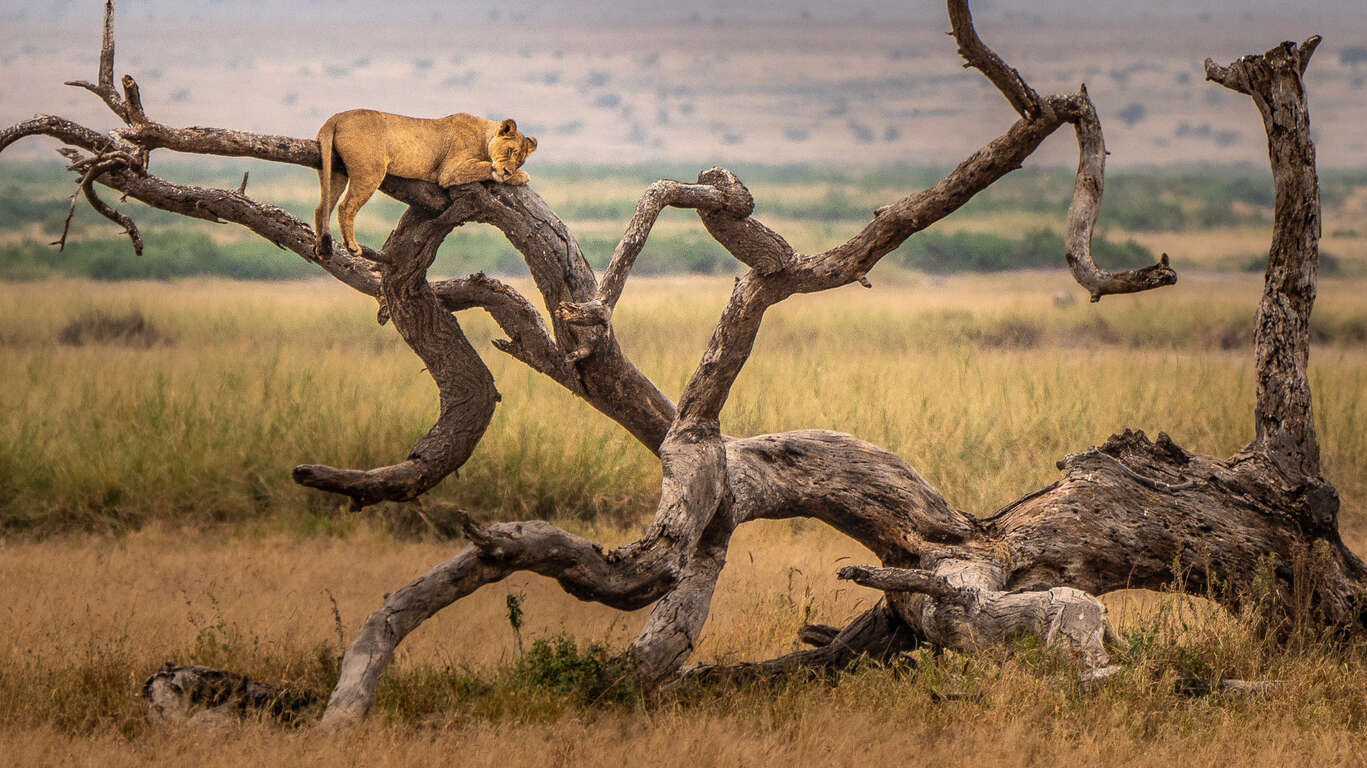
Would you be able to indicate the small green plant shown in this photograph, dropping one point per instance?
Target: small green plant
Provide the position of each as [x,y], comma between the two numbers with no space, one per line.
[515,618]
[591,676]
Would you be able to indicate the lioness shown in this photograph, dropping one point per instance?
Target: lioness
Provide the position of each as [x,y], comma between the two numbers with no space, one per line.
[451,150]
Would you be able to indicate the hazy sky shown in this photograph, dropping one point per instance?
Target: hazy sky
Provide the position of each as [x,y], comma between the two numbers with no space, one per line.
[685,85]
[657,10]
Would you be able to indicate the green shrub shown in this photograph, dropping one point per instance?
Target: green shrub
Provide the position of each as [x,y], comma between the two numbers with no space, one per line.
[590,676]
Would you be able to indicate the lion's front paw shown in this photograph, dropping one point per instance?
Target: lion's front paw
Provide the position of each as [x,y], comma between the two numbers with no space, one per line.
[517,177]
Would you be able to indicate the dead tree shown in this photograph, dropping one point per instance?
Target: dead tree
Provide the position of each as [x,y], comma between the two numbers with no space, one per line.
[1119,516]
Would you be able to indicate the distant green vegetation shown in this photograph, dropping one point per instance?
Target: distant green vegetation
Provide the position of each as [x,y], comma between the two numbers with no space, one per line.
[1149,201]
[127,404]
[171,254]
[35,202]
[168,254]
[984,252]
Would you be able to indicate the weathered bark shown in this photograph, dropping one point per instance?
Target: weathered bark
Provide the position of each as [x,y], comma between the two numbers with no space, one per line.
[1285,425]
[1120,515]
[1082,216]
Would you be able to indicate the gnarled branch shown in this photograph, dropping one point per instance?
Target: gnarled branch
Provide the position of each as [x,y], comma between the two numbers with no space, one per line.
[1083,212]
[977,55]
[465,385]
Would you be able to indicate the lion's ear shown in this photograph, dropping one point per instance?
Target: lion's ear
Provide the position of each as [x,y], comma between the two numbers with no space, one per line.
[508,127]
[531,143]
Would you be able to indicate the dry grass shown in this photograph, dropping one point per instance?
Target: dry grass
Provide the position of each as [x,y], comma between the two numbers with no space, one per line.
[980,382]
[958,375]
[92,616]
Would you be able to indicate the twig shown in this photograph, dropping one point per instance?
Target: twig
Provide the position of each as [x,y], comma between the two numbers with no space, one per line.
[66,225]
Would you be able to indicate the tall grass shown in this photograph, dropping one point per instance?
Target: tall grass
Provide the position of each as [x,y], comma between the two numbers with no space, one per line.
[100,614]
[981,383]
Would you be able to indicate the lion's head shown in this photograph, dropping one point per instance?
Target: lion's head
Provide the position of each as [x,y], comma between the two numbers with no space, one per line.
[509,149]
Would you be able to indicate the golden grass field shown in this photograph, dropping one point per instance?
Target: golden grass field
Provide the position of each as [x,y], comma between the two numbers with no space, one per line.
[149,515]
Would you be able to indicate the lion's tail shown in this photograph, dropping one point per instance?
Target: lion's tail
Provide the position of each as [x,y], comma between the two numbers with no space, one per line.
[323,212]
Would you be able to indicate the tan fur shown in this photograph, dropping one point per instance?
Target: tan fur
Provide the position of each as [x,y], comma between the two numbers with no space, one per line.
[451,150]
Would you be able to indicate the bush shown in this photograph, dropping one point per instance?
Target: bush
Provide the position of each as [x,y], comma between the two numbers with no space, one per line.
[589,677]
[99,327]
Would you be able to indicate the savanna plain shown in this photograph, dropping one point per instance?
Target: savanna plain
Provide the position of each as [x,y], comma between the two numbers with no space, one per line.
[147,430]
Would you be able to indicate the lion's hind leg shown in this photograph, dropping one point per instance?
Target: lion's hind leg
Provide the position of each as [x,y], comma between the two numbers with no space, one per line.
[336,186]
[363,183]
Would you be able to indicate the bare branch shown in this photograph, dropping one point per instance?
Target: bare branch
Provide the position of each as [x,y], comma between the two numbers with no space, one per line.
[894,223]
[1230,77]
[752,243]
[906,580]
[58,128]
[655,198]
[66,223]
[675,624]
[465,386]
[528,339]
[107,49]
[104,88]
[102,208]
[860,489]
[627,578]
[1306,50]
[607,378]
[403,610]
[1086,206]
[977,55]
[272,223]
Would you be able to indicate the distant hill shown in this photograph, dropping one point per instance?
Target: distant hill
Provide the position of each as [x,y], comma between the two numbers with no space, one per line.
[695,84]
